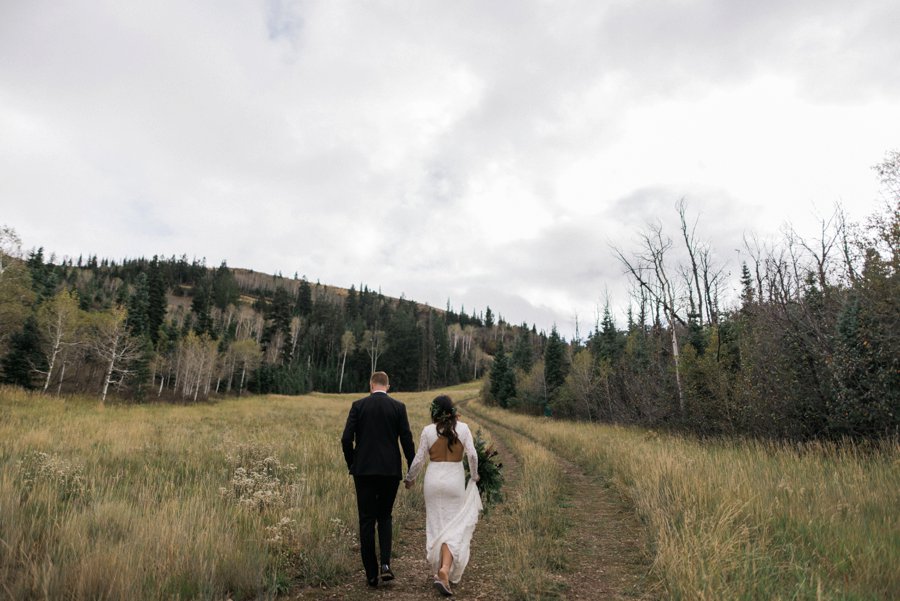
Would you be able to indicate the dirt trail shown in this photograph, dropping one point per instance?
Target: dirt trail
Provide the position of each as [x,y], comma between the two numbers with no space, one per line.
[606,544]
[606,555]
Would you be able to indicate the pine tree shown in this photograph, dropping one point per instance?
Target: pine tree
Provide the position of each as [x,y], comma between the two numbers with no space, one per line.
[24,358]
[866,380]
[402,358]
[503,380]
[696,336]
[607,343]
[488,318]
[156,300]
[446,373]
[351,304]
[427,353]
[436,359]
[747,291]
[201,305]
[43,278]
[523,353]
[279,316]
[304,299]
[141,369]
[555,365]
[225,289]
[138,307]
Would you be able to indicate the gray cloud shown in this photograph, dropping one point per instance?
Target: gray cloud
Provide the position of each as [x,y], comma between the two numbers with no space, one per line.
[489,153]
[834,51]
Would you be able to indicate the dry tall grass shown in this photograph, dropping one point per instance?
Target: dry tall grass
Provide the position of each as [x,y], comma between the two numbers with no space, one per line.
[247,497]
[243,498]
[748,520]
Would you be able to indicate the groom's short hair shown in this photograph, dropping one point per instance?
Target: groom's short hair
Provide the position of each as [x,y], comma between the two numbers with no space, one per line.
[379,378]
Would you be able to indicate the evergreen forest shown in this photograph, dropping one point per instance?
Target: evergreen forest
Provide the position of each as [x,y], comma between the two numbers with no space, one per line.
[175,329]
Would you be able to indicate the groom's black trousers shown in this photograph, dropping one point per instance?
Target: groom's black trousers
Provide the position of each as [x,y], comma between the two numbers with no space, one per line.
[375,501]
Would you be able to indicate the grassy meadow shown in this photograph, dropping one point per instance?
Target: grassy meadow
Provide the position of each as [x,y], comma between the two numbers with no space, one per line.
[747,520]
[242,498]
[248,498]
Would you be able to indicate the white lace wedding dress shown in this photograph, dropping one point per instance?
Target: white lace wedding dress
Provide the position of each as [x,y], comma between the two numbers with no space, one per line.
[451,507]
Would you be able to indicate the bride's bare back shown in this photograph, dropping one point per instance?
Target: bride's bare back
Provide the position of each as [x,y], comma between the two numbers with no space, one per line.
[440,451]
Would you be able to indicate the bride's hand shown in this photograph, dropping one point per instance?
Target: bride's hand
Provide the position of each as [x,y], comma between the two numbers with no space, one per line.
[408,484]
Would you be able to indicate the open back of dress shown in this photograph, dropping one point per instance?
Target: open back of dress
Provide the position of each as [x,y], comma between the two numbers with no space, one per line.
[441,451]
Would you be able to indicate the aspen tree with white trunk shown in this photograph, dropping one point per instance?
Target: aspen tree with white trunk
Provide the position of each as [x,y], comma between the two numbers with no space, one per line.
[248,355]
[111,341]
[296,328]
[348,342]
[374,343]
[198,362]
[58,319]
[210,361]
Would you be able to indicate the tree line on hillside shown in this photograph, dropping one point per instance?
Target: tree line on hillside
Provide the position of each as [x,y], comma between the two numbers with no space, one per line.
[170,328]
[812,349]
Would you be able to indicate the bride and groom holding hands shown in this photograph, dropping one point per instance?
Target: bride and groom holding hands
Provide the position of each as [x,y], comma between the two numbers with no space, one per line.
[374,426]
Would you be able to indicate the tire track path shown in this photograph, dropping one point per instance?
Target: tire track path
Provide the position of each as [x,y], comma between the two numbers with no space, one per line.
[606,553]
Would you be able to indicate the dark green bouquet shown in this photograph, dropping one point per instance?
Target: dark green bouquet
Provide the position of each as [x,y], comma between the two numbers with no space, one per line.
[490,472]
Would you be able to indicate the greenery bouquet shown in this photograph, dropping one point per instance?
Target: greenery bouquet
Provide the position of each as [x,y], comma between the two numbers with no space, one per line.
[490,472]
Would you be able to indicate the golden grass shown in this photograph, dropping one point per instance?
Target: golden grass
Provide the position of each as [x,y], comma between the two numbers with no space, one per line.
[125,501]
[748,520]
[141,501]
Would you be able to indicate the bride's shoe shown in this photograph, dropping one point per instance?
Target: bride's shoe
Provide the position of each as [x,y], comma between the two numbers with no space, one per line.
[442,588]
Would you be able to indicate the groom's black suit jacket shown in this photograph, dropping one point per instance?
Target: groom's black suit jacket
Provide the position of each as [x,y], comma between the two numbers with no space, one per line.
[375,423]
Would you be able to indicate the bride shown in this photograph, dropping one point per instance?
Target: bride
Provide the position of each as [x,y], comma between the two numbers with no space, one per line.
[451,507]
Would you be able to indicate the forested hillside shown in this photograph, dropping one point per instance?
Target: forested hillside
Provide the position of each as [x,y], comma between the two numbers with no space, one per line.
[810,349]
[173,328]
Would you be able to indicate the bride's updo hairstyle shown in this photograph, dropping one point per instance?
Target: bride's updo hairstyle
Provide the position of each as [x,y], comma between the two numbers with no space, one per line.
[443,414]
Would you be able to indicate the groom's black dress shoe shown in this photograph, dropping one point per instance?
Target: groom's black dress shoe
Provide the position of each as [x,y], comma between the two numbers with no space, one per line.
[386,573]
[373,582]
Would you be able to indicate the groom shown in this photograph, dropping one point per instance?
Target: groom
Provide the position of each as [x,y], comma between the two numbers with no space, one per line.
[374,424]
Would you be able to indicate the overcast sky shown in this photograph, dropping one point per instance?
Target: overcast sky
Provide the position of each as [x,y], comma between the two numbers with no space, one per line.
[485,152]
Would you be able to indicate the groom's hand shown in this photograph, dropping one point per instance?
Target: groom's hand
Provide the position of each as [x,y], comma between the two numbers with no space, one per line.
[408,484]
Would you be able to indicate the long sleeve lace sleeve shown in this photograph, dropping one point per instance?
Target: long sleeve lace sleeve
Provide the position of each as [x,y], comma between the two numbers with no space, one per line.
[469,445]
[419,460]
